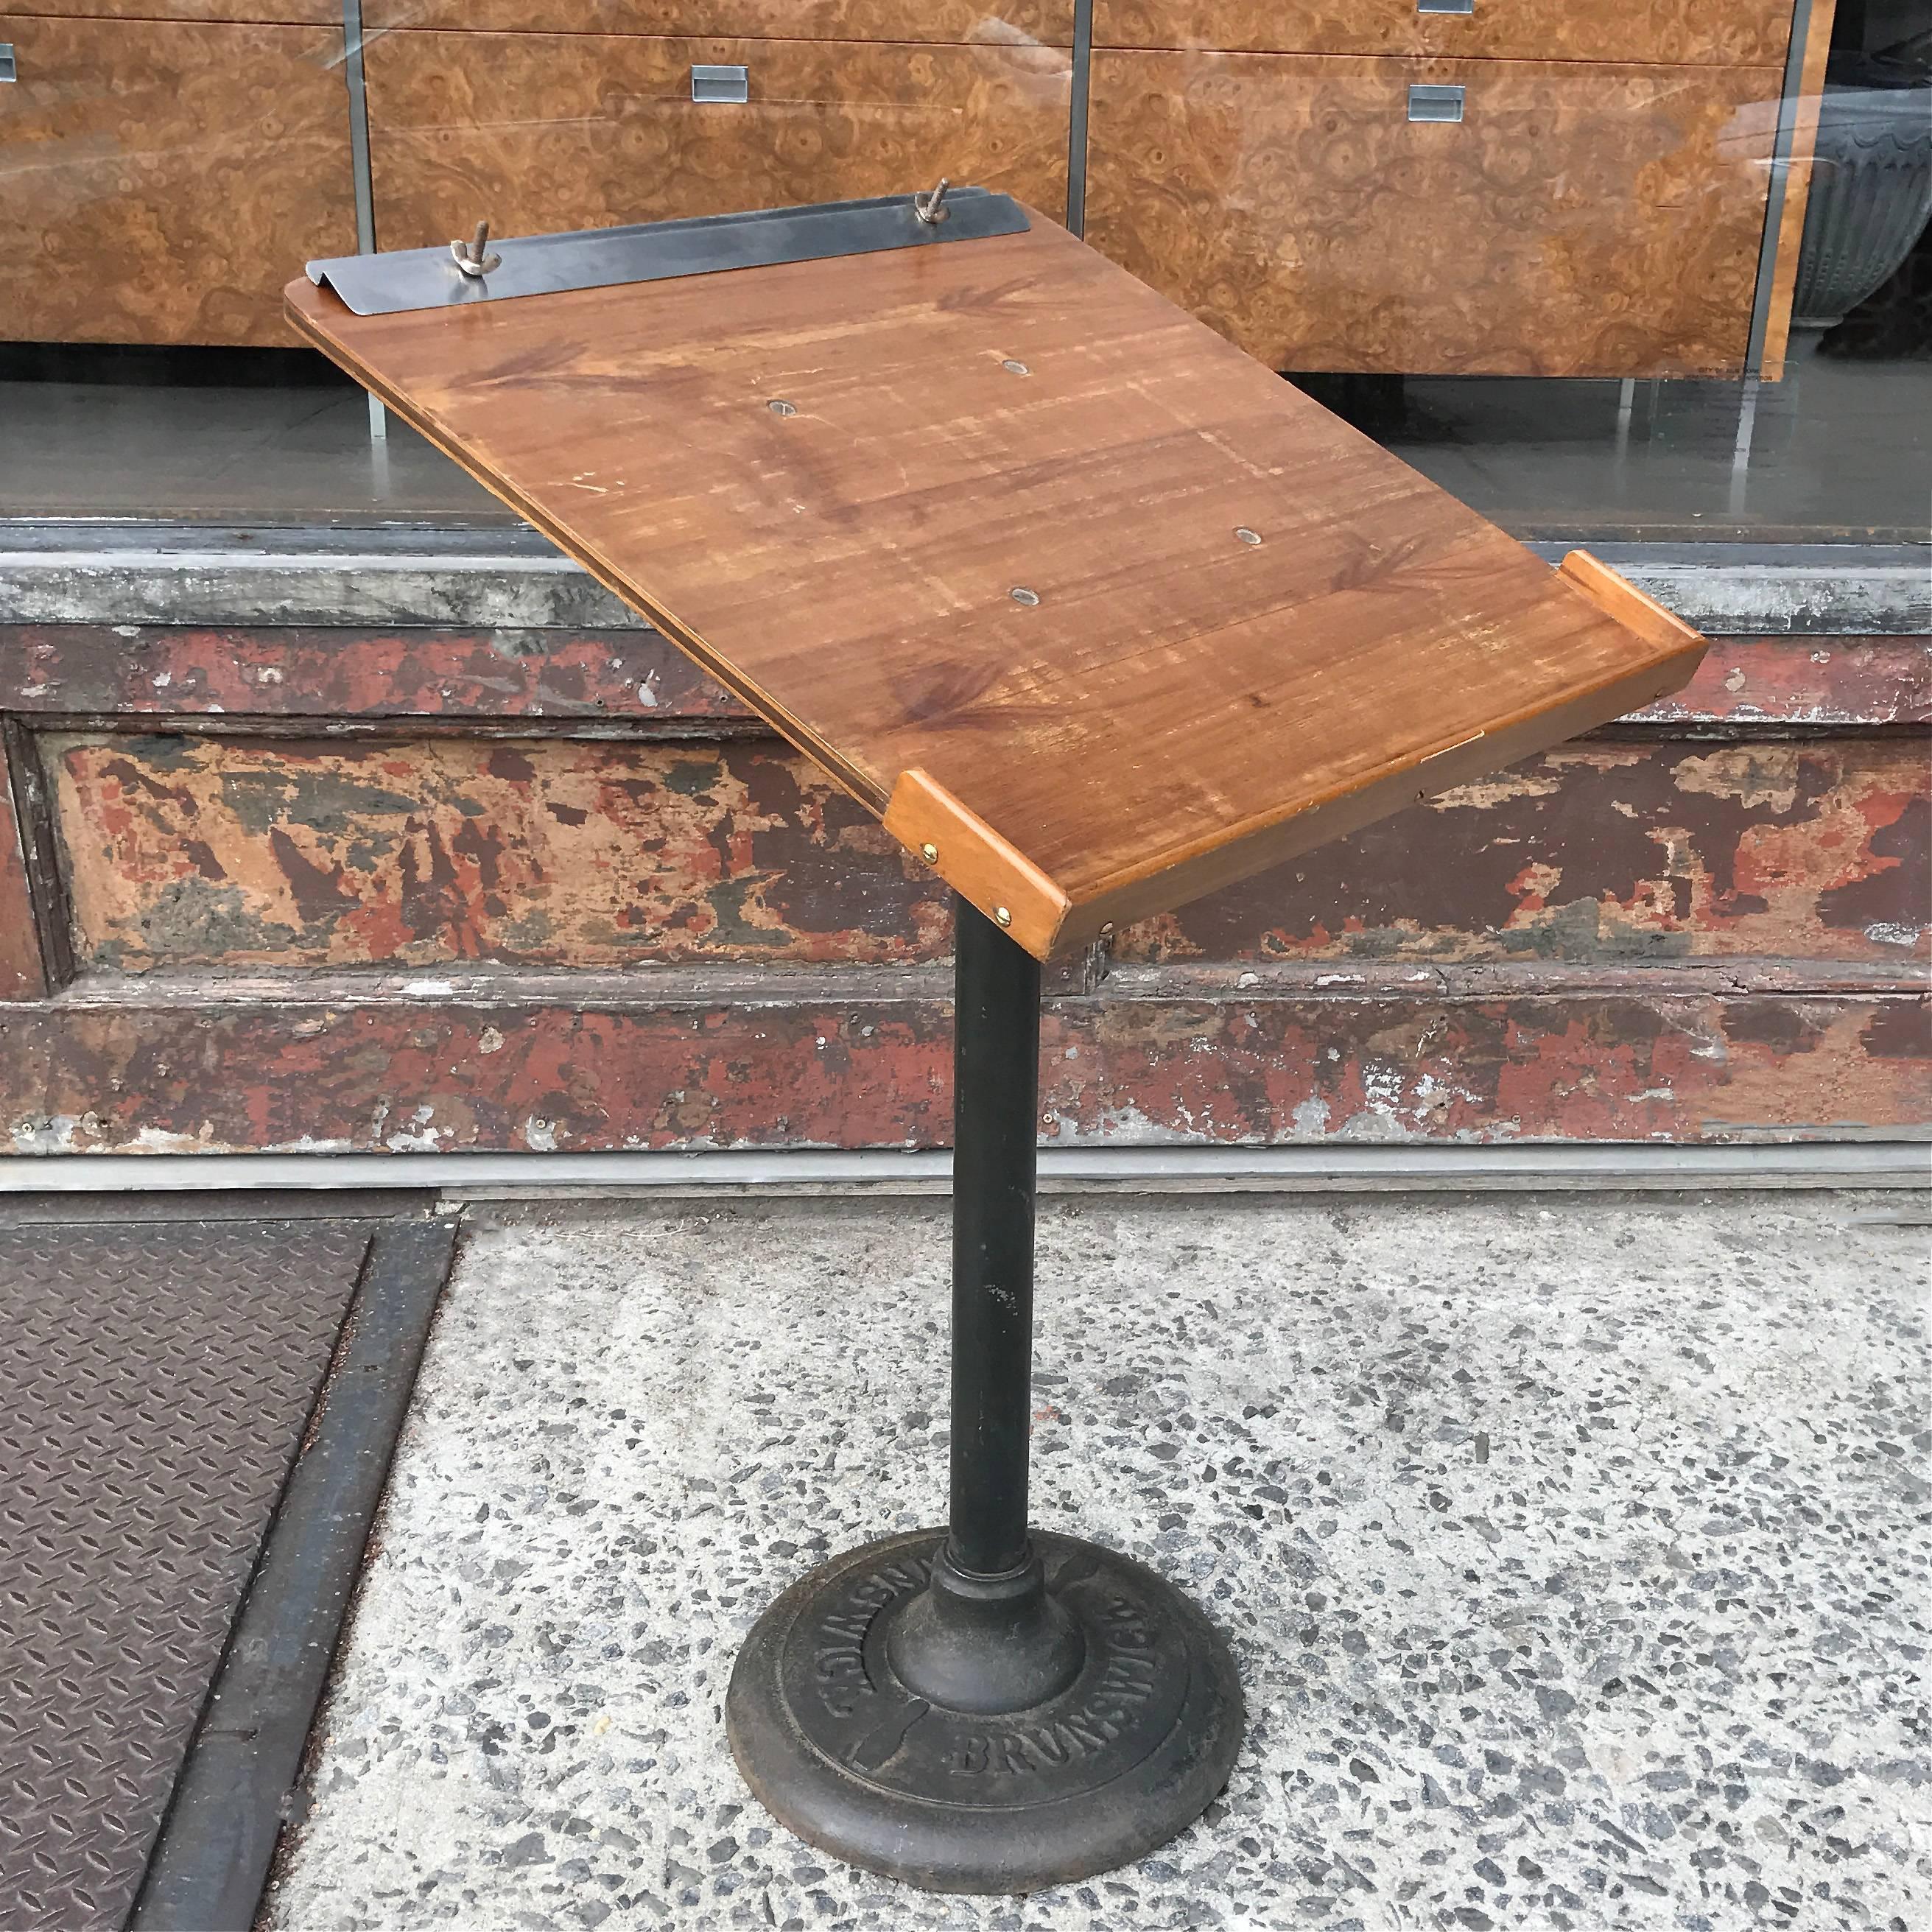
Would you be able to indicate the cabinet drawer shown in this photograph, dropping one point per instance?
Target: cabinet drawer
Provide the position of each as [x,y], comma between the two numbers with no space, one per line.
[989,22]
[164,178]
[1735,33]
[1579,220]
[537,132]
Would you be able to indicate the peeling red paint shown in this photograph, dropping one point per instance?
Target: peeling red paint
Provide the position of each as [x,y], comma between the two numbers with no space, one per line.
[1791,849]
[516,1070]
[1827,683]
[1707,923]
[560,852]
[208,851]
[184,671]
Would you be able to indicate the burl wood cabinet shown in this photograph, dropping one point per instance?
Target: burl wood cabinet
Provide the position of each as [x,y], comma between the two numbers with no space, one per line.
[1492,186]
[536,131]
[1534,187]
[158,176]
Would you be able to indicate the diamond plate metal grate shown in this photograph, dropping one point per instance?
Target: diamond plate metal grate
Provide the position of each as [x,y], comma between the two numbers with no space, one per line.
[154,1383]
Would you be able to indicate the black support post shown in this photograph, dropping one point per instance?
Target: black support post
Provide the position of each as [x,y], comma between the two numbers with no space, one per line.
[995,1115]
[986,1707]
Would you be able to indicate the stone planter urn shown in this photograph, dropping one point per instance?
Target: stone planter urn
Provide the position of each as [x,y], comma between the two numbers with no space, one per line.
[1871,190]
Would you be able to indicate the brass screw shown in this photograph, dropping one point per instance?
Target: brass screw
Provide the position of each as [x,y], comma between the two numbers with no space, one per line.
[1004,917]
[929,853]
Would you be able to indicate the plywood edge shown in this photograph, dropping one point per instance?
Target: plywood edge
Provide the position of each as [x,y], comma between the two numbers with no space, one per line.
[1617,597]
[976,862]
[1143,895]
[1674,650]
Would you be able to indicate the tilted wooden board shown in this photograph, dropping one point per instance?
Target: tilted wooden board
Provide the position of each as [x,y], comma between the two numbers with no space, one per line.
[1097,613]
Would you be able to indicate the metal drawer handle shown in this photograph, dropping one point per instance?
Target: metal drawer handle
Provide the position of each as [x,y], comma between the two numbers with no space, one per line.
[1428,101]
[726,84]
[8,71]
[1445,6]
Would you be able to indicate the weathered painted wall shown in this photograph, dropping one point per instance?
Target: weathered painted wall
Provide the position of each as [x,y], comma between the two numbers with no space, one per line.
[414,889]
[1809,848]
[860,1057]
[197,851]
[201,851]
[345,674]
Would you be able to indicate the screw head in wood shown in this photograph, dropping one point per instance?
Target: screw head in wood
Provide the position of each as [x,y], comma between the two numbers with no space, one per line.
[1107,931]
[929,853]
[779,406]
[1248,536]
[1013,368]
[1020,594]
[1001,916]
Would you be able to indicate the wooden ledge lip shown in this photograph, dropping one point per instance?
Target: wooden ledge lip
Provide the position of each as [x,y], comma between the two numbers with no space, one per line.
[1617,597]
[975,862]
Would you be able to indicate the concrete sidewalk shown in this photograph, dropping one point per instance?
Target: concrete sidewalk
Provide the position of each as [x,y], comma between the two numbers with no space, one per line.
[1574,1553]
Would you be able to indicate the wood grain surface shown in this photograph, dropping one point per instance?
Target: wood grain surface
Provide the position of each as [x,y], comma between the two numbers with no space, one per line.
[1803,111]
[1171,707]
[1581,220]
[539,132]
[1017,23]
[158,178]
[1729,33]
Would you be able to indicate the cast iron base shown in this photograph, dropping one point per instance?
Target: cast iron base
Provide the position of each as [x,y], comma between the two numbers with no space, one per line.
[1131,1749]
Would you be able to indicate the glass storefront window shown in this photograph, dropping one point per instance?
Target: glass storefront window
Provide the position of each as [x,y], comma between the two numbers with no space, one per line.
[1644,272]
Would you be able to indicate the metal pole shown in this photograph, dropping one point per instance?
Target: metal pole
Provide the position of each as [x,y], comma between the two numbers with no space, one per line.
[995,1108]
[980,1709]
[364,181]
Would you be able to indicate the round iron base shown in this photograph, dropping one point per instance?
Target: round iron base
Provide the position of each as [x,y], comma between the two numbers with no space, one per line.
[1111,1764]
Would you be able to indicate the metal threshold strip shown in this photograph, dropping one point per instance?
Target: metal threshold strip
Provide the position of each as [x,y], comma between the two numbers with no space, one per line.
[657,251]
[1845,1162]
[137,570]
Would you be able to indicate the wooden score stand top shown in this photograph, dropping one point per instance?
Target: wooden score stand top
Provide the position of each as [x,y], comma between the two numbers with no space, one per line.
[1096,612]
